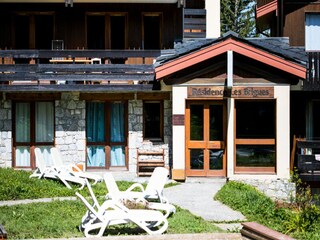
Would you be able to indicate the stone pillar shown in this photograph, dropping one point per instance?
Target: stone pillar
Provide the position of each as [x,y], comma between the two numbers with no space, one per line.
[70,127]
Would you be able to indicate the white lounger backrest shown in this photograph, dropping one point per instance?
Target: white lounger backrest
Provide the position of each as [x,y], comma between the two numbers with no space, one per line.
[56,157]
[40,162]
[157,180]
[111,184]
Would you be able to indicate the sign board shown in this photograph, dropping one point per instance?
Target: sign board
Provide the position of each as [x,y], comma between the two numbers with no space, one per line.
[234,92]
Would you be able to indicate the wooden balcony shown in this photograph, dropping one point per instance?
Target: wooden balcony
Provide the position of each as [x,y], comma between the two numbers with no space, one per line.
[265,7]
[312,82]
[194,23]
[65,70]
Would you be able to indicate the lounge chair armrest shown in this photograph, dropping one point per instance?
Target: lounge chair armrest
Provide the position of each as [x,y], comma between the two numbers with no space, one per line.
[135,185]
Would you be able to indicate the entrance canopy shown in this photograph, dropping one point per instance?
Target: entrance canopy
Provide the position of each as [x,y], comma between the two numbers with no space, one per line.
[272,52]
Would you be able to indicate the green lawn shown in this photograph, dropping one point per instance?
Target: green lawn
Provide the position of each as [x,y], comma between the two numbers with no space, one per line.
[301,222]
[60,219]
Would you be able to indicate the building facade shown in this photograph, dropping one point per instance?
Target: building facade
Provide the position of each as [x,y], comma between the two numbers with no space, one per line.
[129,85]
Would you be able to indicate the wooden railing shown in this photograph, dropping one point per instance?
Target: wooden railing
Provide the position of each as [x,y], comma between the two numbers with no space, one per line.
[312,82]
[194,23]
[308,152]
[21,67]
[261,3]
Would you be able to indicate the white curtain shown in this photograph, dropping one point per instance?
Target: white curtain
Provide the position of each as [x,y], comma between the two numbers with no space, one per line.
[22,133]
[118,157]
[96,156]
[312,32]
[22,122]
[22,157]
[44,122]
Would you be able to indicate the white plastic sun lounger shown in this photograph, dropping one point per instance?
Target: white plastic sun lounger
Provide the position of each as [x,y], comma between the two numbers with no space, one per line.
[73,169]
[43,171]
[154,191]
[113,213]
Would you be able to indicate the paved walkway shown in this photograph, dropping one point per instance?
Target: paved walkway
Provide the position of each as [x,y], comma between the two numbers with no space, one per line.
[197,197]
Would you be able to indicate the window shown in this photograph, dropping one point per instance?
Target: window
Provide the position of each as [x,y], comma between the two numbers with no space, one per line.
[153,120]
[312,34]
[106,30]
[106,134]
[151,35]
[312,120]
[255,136]
[33,127]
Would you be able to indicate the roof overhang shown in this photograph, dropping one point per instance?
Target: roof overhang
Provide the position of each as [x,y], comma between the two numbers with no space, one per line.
[267,8]
[89,1]
[238,47]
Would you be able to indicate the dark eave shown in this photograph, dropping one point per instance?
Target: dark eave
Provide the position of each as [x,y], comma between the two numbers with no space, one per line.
[93,88]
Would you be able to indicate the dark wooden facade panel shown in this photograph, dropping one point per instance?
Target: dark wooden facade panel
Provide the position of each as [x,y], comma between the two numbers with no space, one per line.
[294,21]
[70,23]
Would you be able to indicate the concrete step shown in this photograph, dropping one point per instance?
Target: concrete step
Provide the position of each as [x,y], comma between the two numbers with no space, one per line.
[206,180]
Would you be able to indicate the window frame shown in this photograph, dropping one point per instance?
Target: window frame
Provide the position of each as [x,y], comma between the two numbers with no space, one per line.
[107,33]
[255,142]
[32,143]
[107,144]
[161,124]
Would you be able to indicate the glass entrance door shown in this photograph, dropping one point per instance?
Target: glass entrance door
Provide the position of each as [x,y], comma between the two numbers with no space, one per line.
[206,138]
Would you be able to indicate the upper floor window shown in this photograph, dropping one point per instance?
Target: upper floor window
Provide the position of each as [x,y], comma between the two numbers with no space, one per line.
[312,32]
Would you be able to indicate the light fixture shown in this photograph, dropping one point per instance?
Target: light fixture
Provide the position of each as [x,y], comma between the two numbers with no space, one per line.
[68,3]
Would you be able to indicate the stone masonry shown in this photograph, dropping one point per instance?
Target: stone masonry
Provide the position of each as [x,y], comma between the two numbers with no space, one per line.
[70,113]
[136,141]
[276,189]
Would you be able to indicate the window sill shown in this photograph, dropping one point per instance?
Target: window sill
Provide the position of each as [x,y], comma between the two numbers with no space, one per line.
[158,140]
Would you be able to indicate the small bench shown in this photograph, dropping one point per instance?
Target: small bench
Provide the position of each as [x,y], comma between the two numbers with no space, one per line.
[3,233]
[147,161]
[256,231]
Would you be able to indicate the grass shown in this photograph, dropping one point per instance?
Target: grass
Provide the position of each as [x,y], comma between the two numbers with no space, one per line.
[60,219]
[16,185]
[300,224]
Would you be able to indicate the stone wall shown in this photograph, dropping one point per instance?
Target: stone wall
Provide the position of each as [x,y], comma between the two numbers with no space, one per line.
[5,134]
[70,126]
[136,142]
[277,189]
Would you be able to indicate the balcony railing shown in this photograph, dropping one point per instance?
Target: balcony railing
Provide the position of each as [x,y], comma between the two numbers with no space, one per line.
[47,68]
[261,3]
[312,82]
[194,23]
